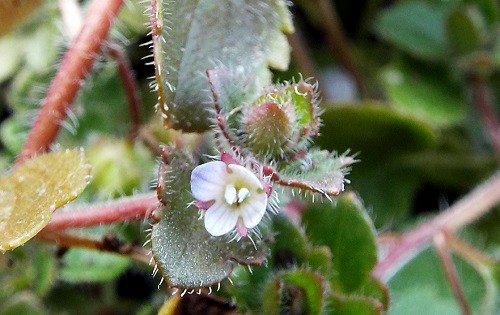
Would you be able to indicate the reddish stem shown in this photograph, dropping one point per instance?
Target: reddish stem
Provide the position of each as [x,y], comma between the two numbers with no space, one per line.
[75,65]
[129,85]
[451,273]
[124,209]
[463,212]
[483,103]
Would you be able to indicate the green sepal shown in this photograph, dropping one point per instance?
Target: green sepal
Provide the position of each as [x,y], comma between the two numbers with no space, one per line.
[318,171]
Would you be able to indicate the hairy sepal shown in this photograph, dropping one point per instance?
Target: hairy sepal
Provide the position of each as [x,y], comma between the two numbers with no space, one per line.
[282,120]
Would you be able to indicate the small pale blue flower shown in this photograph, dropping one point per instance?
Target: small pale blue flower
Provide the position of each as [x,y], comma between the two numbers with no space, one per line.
[232,196]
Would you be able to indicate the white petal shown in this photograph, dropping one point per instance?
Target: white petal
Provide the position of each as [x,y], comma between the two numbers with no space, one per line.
[220,219]
[253,209]
[246,175]
[208,180]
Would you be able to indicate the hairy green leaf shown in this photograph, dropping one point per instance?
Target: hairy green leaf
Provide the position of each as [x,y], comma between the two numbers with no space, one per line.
[186,254]
[319,171]
[354,305]
[191,37]
[344,226]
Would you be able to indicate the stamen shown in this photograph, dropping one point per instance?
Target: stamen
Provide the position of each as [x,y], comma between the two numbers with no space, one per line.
[243,193]
[230,194]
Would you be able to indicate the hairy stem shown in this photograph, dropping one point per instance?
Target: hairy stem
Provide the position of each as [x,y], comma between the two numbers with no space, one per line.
[451,273]
[483,103]
[124,209]
[75,65]
[108,244]
[129,85]
[70,12]
[463,212]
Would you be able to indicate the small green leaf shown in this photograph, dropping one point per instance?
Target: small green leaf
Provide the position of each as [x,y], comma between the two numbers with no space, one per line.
[377,132]
[290,245]
[102,111]
[320,259]
[465,29]
[271,297]
[186,254]
[251,289]
[319,171]
[388,190]
[354,305]
[13,131]
[35,189]
[312,285]
[377,290]
[344,226]
[82,265]
[189,39]
[424,95]
[416,27]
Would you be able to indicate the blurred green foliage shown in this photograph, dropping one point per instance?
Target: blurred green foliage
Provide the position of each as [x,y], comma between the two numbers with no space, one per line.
[419,139]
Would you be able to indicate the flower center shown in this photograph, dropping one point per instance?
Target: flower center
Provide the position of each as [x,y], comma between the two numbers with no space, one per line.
[235,196]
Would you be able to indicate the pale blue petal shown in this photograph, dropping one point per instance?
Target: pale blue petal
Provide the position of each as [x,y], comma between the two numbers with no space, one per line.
[208,181]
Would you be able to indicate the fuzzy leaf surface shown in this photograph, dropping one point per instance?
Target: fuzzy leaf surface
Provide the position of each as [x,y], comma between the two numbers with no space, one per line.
[187,255]
[319,171]
[193,36]
[345,227]
[31,193]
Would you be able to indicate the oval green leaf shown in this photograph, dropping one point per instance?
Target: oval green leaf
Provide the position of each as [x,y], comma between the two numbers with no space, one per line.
[344,226]
[186,254]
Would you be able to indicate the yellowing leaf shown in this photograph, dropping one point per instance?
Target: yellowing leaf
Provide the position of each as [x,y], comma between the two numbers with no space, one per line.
[30,194]
[13,12]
